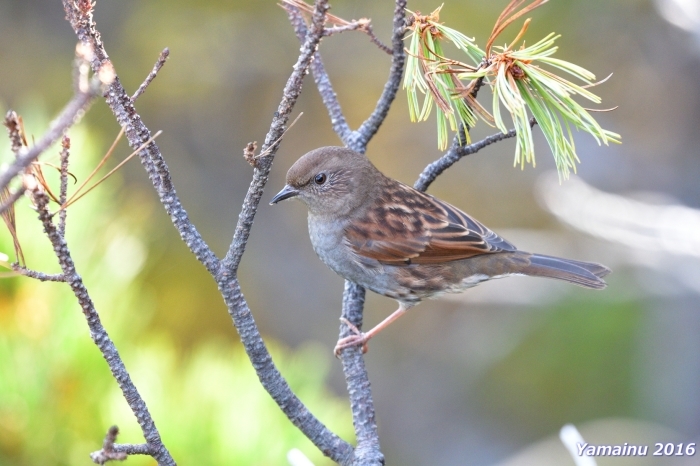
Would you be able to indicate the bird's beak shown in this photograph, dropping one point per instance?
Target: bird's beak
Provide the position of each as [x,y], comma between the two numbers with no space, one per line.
[286,193]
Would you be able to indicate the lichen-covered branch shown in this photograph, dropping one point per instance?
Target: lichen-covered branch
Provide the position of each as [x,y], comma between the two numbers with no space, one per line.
[41,276]
[323,82]
[79,14]
[225,271]
[368,450]
[98,333]
[453,154]
[370,126]
[456,151]
[113,452]
[69,116]
[152,75]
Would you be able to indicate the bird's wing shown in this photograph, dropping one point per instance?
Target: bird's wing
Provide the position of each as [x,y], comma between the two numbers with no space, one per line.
[409,227]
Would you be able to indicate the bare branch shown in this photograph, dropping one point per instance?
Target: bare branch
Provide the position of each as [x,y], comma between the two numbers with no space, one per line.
[107,453]
[369,128]
[79,14]
[456,152]
[357,140]
[152,75]
[339,25]
[69,116]
[13,123]
[367,451]
[80,17]
[41,276]
[63,194]
[98,333]
[376,41]
[113,452]
[363,25]
[323,82]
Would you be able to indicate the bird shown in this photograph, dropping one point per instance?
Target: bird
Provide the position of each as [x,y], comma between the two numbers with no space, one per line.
[402,243]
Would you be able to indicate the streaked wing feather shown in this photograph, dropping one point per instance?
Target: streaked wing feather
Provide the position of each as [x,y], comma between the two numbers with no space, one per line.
[410,227]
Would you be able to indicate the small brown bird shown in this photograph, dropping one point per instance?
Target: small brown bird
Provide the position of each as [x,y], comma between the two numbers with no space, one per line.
[402,243]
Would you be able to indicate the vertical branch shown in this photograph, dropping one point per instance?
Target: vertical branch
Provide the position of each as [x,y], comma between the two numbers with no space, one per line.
[79,14]
[368,451]
[99,334]
[369,128]
[63,194]
[225,272]
[323,82]
[269,376]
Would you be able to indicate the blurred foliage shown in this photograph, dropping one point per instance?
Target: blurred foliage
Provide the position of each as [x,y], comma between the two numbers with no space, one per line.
[57,395]
[575,366]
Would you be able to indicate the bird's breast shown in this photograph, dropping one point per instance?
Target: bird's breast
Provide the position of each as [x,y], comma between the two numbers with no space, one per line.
[327,240]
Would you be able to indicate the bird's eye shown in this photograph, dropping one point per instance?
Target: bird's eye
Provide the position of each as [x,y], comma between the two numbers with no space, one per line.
[320,178]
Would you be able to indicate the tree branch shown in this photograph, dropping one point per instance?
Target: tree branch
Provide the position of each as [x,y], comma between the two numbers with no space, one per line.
[357,140]
[225,271]
[152,75]
[41,276]
[98,333]
[455,153]
[79,14]
[69,116]
[323,82]
[369,128]
[368,450]
[113,452]
[63,190]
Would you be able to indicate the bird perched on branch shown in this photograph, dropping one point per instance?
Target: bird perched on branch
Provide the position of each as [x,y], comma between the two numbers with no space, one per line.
[402,243]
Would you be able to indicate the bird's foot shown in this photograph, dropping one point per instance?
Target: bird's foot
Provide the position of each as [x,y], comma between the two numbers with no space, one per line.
[359,338]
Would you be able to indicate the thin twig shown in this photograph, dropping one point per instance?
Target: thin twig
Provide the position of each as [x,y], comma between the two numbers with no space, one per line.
[13,123]
[122,106]
[323,83]
[339,24]
[79,14]
[98,333]
[369,127]
[363,25]
[41,276]
[152,75]
[456,152]
[114,452]
[63,194]
[69,116]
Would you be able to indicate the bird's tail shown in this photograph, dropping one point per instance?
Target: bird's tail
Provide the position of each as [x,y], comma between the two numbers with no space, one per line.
[586,274]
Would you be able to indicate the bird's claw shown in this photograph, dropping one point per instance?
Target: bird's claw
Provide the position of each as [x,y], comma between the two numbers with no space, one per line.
[358,338]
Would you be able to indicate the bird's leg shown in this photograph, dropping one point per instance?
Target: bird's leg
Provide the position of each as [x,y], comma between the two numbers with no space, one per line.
[361,338]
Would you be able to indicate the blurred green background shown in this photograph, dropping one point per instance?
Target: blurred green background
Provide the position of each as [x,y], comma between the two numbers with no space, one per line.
[485,377]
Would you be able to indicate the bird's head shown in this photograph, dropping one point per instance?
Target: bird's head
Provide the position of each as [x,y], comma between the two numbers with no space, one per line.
[330,181]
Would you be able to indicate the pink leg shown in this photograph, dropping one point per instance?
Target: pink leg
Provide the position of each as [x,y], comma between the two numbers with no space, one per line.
[360,338]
